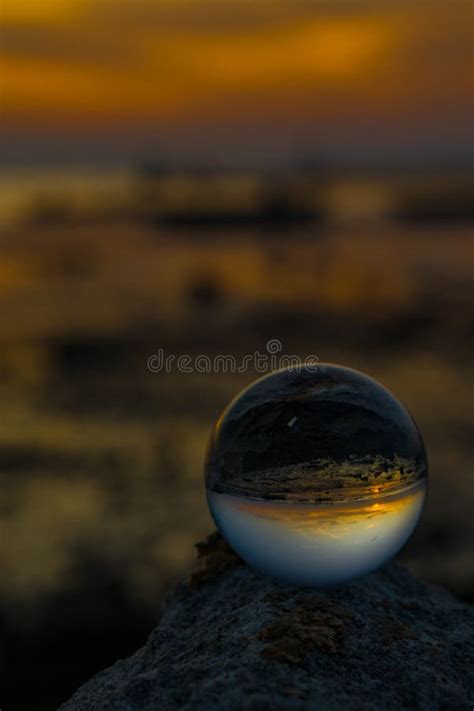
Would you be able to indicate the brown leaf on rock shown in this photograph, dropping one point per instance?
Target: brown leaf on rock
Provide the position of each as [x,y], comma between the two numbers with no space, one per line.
[312,624]
[215,556]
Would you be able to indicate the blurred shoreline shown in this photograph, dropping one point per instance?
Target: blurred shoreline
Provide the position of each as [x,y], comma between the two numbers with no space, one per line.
[205,197]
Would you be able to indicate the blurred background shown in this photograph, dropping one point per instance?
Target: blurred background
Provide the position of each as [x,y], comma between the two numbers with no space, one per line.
[201,176]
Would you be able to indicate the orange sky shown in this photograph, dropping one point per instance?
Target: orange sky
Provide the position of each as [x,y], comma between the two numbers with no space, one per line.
[111,65]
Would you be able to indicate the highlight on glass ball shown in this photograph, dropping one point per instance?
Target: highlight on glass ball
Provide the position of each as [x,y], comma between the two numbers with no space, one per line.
[316,474]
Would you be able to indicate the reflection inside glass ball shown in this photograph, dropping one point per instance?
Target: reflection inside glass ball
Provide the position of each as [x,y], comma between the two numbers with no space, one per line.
[316,474]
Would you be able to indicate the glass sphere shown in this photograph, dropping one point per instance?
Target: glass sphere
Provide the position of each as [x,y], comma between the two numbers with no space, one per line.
[316,474]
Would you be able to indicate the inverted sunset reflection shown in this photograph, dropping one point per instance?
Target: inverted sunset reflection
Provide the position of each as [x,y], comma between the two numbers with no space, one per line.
[327,519]
[310,544]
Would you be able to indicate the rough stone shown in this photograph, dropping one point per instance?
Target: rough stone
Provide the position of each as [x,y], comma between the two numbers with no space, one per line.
[230,639]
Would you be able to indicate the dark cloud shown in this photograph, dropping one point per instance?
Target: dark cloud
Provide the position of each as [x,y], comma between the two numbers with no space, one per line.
[67,44]
[226,15]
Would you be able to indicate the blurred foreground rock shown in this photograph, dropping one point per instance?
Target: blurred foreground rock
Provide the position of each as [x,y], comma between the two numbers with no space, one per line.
[231,639]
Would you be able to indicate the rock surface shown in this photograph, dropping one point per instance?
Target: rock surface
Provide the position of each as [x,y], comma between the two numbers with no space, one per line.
[231,639]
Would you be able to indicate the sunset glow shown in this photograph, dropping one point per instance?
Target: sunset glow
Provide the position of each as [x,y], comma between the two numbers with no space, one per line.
[72,63]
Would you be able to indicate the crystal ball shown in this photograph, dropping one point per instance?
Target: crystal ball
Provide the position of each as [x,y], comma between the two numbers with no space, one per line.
[316,474]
